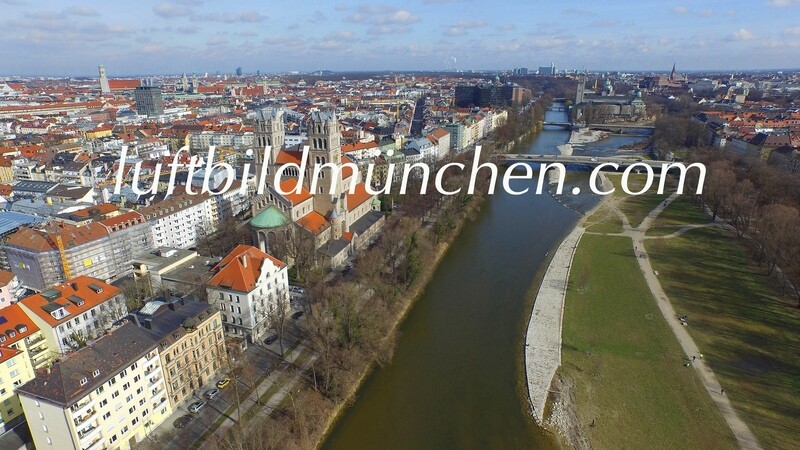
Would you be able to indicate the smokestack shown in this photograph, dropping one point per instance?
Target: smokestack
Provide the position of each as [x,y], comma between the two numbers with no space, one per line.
[74,286]
[244,260]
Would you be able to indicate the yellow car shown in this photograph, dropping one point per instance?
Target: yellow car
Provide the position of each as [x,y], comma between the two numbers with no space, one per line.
[222,384]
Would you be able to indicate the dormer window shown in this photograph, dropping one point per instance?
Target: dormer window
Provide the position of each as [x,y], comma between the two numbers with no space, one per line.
[84,380]
[96,373]
[3,338]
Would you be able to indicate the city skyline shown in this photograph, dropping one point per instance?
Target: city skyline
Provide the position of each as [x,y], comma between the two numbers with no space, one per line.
[55,38]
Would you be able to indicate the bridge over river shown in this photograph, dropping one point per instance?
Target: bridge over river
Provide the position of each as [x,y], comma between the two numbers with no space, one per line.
[589,161]
[612,127]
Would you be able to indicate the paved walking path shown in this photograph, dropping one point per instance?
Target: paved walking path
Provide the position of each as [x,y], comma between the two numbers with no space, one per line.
[741,431]
[543,340]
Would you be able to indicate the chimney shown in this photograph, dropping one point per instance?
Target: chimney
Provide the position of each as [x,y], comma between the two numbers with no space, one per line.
[244,260]
[136,320]
[74,286]
[172,306]
[148,323]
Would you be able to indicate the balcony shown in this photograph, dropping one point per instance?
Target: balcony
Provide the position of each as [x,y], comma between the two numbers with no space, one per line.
[34,342]
[96,444]
[151,361]
[159,402]
[88,436]
[155,381]
[82,418]
[80,409]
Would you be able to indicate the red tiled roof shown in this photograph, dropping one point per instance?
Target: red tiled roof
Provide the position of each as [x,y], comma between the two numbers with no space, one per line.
[289,185]
[79,288]
[359,196]
[18,324]
[240,270]
[314,222]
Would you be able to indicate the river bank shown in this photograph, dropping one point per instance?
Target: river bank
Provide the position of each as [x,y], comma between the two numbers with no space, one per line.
[543,337]
[410,299]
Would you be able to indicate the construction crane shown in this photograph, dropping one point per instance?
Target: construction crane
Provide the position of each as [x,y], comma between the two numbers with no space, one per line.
[63,255]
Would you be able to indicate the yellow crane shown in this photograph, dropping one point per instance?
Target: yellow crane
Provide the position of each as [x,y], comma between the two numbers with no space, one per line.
[63,255]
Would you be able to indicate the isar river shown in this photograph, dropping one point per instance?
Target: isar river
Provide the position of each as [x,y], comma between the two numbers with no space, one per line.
[456,380]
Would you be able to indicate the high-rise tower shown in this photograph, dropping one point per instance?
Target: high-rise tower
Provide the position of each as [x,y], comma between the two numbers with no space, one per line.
[104,87]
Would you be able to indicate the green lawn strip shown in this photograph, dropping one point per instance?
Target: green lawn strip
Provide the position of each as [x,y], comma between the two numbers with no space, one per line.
[636,207]
[279,384]
[242,396]
[682,211]
[625,363]
[745,329]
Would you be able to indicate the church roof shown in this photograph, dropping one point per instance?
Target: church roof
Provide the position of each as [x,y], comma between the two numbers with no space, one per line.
[289,185]
[271,217]
[359,196]
[314,222]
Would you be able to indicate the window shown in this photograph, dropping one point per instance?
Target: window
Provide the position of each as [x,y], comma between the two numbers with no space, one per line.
[131,410]
[44,427]
[11,363]
[49,441]
[96,373]
[129,398]
[15,372]
[84,380]
[106,415]
[113,439]
[115,394]
[134,421]
[104,402]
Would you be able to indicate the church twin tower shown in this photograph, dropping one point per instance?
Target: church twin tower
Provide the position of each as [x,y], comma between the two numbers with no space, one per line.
[324,141]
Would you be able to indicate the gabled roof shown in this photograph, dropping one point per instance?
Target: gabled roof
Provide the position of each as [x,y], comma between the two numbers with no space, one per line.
[241,269]
[359,196]
[289,185]
[314,222]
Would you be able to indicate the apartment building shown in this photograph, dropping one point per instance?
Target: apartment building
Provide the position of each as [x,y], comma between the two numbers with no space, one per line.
[190,341]
[246,287]
[181,221]
[73,313]
[9,284]
[23,349]
[109,395]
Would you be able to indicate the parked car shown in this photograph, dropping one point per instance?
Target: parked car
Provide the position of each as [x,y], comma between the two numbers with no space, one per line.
[593,159]
[195,407]
[222,384]
[211,393]
[182,421]
[297,289]
[297,315]
[271,340]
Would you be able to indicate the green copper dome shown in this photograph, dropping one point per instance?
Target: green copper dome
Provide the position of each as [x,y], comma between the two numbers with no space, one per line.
[271,217]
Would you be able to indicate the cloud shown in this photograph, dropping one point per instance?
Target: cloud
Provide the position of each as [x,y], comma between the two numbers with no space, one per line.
[743,34]
[81,10]
[247,33]
[680,10]
[578,12]
[782,3]
[706,12]
[340,35]
[383,15]
[471,24]
[229,17]
[455,31]
[13,2]
[169,11]
[604,23]
[217,40]
[317,17]
[792,31]
[506,27]
[188,29]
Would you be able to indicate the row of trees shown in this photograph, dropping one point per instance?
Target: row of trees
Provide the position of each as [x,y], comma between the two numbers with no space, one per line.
[351,321]
[761,203]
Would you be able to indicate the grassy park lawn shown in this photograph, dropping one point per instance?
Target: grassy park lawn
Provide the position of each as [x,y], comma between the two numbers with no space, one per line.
[636,207]
[682,211]
[747,332]
[624,361]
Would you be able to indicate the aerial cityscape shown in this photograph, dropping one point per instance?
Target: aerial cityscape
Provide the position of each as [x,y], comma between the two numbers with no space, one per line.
[446,224]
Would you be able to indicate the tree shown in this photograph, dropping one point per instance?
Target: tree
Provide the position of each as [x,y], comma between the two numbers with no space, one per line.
[718,185]
[277,316]
[741,206]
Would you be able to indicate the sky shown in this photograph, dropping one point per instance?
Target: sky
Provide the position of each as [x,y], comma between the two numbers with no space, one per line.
[47,37]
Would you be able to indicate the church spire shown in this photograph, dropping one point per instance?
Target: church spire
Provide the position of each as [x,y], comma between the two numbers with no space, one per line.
[672,74]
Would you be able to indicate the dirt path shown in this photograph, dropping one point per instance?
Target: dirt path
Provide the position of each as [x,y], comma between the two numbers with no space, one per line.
[740,430]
